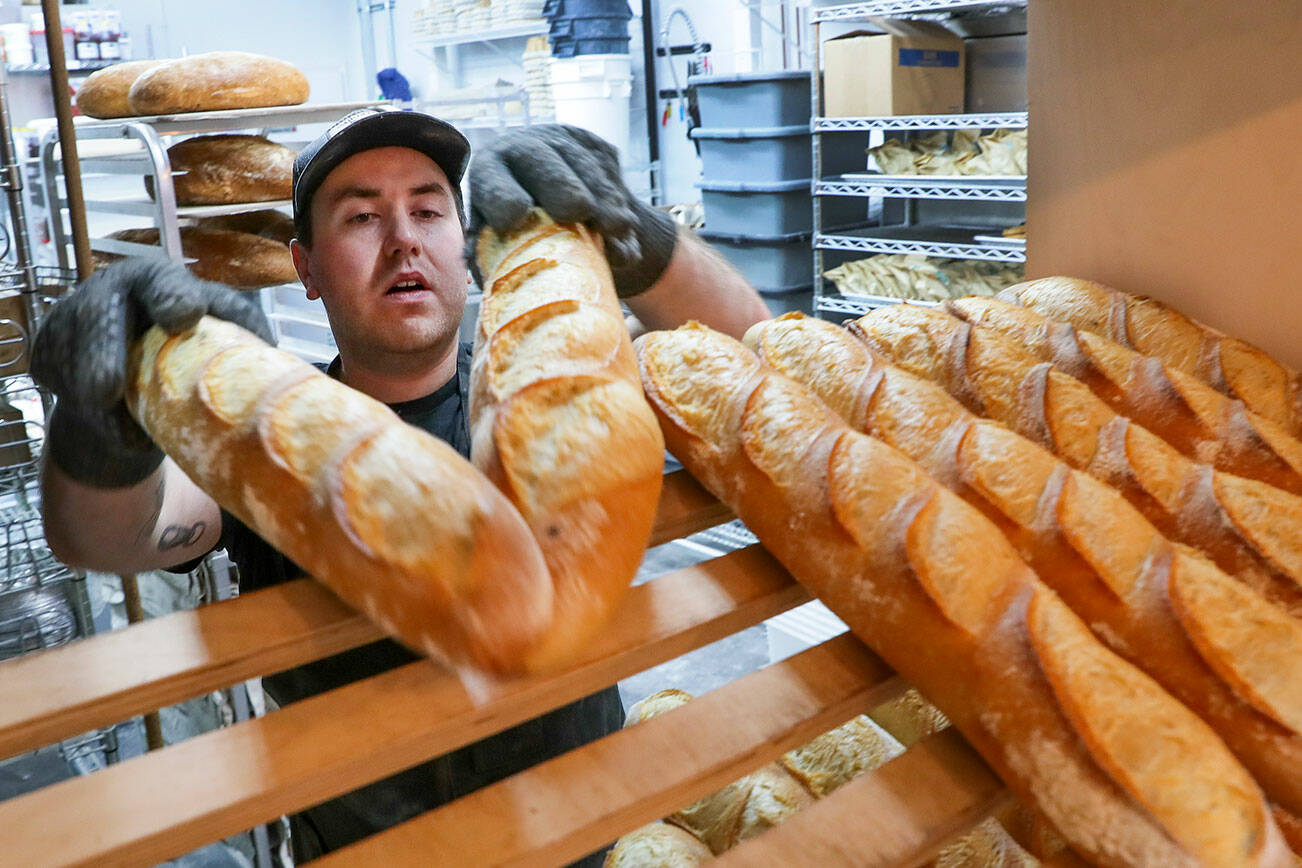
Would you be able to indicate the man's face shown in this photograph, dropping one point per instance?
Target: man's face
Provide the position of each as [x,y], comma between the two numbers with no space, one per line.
[386,255]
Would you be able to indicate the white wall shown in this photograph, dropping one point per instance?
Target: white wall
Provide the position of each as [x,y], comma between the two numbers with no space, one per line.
[320,37]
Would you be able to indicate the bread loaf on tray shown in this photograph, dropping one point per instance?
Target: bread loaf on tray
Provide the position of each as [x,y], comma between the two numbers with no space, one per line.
[390,518]
[216,81]
[228,169]
[558,420]
[1190,415]
[1217,646]
[104,92]
[268,223]
[1128,774]
[1253,531]
[238,259]
[1231,366]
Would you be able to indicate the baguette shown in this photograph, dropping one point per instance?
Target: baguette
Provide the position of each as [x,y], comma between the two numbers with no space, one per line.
[228,169]
[388,517]
[1197,420]
[558,420]
[216,81]
[237,259]
[932,586]
[1225,652]
[104,92]
[1250,530]
[1230,366]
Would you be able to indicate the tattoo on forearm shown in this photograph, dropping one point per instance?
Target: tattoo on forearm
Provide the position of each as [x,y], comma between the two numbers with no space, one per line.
[148,526]
[177,536]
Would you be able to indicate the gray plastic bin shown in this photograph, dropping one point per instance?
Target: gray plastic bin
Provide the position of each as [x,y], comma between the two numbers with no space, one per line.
[764,154]
[757,99]
[773,264]
[773,208]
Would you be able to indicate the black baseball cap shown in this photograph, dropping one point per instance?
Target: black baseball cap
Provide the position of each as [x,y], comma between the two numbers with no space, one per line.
[380,127]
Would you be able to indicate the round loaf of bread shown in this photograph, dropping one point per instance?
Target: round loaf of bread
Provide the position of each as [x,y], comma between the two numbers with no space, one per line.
[658,845]
[216,81]
[104,92]
[237,259]
[229,169]
[269,223]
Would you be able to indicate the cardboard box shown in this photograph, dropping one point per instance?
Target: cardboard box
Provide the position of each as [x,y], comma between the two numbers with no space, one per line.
[996,74]
[913,68]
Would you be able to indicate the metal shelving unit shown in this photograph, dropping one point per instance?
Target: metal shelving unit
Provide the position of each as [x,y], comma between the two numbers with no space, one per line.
[930,240]
[300,327]
[43,603]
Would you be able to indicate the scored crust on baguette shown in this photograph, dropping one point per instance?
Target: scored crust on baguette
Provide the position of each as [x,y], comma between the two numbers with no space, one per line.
[389,518]
[1229,365]
[1087,542]
[217,81]
[1226,517]
[981,662]
[1197,420]
[558,420]
[104,92]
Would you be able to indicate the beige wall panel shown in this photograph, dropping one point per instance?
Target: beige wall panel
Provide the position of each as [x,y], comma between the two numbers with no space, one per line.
[1166,156]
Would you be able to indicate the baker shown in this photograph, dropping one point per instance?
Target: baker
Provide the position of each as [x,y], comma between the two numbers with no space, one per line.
[381,234]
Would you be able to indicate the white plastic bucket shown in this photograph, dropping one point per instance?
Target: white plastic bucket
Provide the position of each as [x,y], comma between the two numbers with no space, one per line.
[592,91]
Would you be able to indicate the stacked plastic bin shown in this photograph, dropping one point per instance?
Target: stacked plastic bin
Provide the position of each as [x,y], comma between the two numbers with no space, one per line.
[588,26]
[756,189]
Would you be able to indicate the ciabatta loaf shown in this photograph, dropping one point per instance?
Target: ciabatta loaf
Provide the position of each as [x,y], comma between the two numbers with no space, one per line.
[1229,365]
[215,81]
[1253,531]
[1221,649]
[104,92]
[558,420]
[390,518]
[229,169]
[1190,415]
[1127,773]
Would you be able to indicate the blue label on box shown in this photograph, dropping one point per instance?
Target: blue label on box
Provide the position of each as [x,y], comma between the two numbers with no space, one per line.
[928,57]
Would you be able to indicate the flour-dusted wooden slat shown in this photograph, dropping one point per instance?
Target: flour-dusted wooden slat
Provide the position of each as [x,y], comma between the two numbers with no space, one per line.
[112,677]
[171,801]
[563,809]
[945,785]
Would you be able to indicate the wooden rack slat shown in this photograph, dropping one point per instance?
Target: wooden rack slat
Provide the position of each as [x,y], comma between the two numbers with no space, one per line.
[563,809]
[114,676]
[170,801]
[943,784]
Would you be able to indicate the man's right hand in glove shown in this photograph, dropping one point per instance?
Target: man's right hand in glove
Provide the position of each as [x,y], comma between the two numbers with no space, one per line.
[96,503]
[665,275]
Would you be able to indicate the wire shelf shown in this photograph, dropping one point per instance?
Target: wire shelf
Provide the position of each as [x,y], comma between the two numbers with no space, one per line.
[907,7]
[962,188]
[943,242]
[988,121]
[860,304]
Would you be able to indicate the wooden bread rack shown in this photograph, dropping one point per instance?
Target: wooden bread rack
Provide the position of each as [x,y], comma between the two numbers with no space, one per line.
[171,801]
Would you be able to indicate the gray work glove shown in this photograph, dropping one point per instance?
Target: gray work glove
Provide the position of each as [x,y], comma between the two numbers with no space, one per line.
[80,354]
[574,176]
